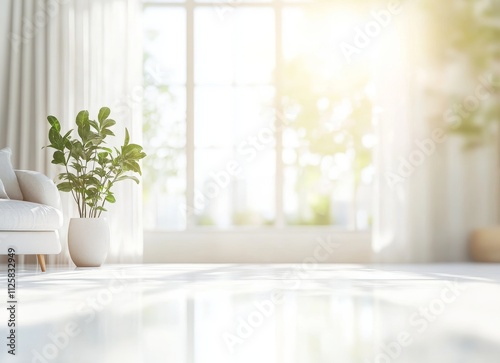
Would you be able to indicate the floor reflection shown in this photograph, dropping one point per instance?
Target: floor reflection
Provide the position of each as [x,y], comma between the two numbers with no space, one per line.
[264,314]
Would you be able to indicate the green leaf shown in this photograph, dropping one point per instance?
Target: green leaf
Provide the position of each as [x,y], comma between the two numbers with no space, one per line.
[54,122]
[133,151]
[67,135]
[128,177]
[82,118]
[94,139]
[77,167]
[59,158]
[127,137]
[91,192]
[132,165]
[56,139]
[68,144]
[77,150]
[73,178]
[83,132]
[52,137]
[110,198]
[92,181]
[102,155]
[108,123]
[65,187]
[100,172]
[103,114]
[94,124]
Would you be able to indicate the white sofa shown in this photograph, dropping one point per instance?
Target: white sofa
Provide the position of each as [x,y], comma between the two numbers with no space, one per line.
[30,223]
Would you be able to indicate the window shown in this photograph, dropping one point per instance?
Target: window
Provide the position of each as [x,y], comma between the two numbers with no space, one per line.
[254,117]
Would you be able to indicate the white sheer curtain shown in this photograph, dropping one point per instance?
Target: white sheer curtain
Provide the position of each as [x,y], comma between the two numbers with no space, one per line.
[62,56]
[428,197]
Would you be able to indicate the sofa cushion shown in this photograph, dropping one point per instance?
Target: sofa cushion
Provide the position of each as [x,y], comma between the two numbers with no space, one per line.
[3,193]
[8,176]
[17,215]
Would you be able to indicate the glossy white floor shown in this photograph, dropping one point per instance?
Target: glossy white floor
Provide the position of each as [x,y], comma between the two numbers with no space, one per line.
[249,313]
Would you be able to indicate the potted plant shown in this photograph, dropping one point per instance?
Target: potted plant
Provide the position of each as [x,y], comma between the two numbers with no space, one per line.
[91,170]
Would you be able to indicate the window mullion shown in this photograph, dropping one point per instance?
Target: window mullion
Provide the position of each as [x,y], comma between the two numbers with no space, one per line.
[190,182]
[278,118]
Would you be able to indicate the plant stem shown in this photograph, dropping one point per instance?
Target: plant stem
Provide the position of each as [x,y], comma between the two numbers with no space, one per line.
[75,197]
[107,190]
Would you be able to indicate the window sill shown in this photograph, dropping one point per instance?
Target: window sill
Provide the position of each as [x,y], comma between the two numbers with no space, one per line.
[290,245]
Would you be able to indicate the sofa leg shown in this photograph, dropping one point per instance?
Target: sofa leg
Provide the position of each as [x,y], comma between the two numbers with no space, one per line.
[41,261]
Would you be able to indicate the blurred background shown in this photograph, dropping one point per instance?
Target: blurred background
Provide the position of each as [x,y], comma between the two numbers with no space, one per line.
[273,123]
[386,111]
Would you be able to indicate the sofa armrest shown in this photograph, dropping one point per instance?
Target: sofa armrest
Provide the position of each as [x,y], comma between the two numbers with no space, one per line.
[38,188]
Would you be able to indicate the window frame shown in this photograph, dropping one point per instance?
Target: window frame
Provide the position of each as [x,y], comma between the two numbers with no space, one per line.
[198,237]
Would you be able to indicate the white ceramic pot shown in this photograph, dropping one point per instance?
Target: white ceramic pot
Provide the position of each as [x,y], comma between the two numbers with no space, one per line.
[88,241]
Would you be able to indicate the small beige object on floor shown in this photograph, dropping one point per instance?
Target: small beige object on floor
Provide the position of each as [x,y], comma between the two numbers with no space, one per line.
[484,244]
